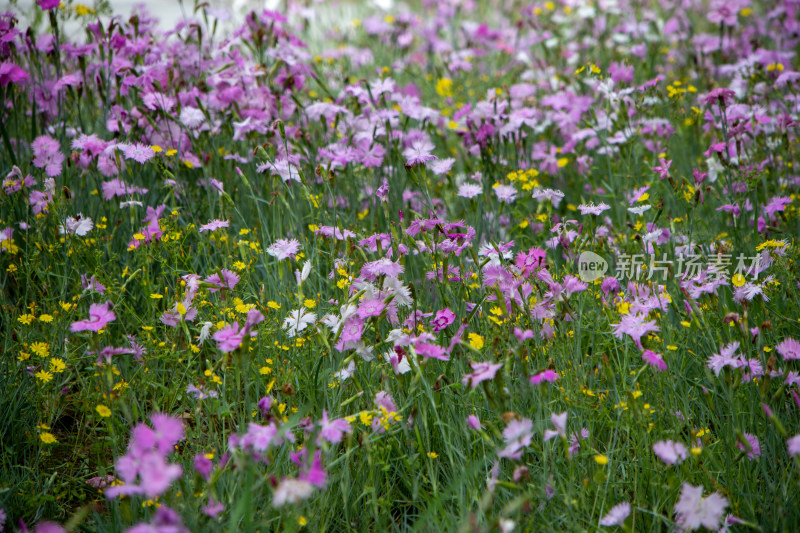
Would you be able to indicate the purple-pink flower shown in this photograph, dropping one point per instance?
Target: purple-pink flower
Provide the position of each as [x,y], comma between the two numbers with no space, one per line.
[47,155]
[617,515]
[655,360]
[284,248]
[670,452]
[99,316]
[789,348]
[483,371]
[693,511]
[548,376]
[444,317]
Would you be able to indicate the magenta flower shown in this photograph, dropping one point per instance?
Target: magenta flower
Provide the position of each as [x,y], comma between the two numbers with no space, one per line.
[214,225]
[47,155]
[229,338]
[284,248]
[693,511]
[368,308]
[203,465]
[483,371]
[548,376]
[11,73]
[720,94]
[431,351]
[670,452]
[442,166]
[419,153]
[99,316]
[48,4]
[789,349]
[655,360]
[528,262]
[617,515]
[443,318]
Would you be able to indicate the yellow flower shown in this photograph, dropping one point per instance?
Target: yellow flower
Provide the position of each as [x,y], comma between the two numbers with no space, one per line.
[273,305]
[433,455]
[23,356]
[239,265]
[46,318]
[43,376]
[47,438]
[42,349]
[57,365]
[66,306]
[302,521]
[265,370]
[737,280]
[365,417]
[26,319]
[696,451]
[602,460]
[156,296]
[309,303]
[476,341]
[103,411]
[444,87]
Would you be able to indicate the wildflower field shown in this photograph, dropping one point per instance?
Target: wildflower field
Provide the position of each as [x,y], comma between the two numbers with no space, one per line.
[455,265]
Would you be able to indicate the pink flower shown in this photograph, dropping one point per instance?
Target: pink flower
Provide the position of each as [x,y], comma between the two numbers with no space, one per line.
[634,326]
[291,491]
[229,338]
[99,316]
[284,248]
[385,400]
[333,430]
[591,209]
[213,508]
[793,445]
[138,152]
[655,360]
[663,168]
[226,279]
[560,423]
[753,447]
[670,452]
[517,435]
[548,376]
[214,225]
[473,422]
[47,155]
[443,318]
[720,94]
[505,193]
[431,351]
[469,190]
[419,153]
[483,371]
[369,308]
[789,348]
[726,357]
[617,515]
[693,511]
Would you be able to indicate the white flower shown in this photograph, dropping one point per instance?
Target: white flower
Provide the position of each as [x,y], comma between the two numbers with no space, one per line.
[205,331]
[297,321]
[291,491]
[78,225]
[639,209]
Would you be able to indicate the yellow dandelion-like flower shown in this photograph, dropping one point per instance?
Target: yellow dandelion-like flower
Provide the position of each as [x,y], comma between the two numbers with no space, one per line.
[26,319]
[57,365]
[47,437]
[42,349]
[476,341]
[46,318]
[602,460]
[43,376]
[103,411]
